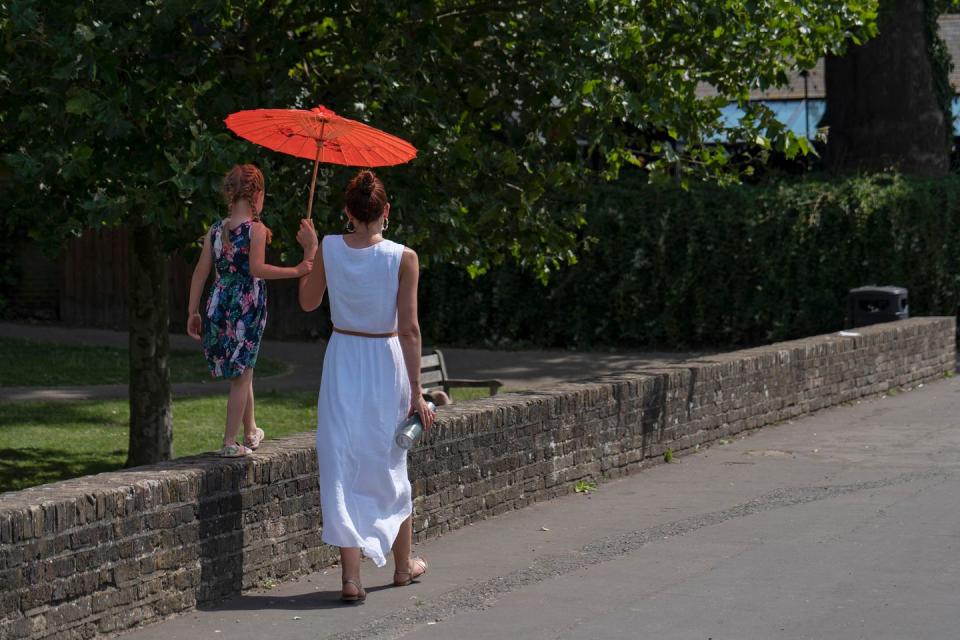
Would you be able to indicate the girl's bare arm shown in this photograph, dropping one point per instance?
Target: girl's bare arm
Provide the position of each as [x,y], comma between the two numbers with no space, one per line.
[200,274]
[260,269]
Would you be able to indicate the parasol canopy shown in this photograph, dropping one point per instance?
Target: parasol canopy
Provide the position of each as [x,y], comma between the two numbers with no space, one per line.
[322,136]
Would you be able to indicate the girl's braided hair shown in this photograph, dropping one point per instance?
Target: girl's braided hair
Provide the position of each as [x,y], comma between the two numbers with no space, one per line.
[242,182]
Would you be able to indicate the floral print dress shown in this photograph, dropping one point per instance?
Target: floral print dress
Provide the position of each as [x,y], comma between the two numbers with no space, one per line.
[236,312]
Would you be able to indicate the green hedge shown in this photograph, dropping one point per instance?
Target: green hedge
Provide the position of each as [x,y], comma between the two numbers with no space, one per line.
[715,266]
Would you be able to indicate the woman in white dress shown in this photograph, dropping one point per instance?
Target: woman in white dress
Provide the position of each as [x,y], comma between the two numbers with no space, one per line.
[370,384]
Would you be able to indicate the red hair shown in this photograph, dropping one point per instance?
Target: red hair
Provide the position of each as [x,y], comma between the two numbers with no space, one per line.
[242,182]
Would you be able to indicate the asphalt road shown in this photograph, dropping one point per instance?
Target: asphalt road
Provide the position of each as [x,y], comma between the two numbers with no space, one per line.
[843,525]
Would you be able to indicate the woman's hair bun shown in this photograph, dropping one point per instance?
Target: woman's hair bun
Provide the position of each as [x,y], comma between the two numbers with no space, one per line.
[368,182]
[366,197]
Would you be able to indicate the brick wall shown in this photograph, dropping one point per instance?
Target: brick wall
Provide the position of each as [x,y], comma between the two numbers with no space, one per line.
[102,553]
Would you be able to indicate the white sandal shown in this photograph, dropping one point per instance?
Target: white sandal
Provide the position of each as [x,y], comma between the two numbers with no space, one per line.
[235,450]
[254,443]
[412,575]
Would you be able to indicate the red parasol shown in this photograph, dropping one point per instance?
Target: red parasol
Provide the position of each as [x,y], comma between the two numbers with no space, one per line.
[322,136]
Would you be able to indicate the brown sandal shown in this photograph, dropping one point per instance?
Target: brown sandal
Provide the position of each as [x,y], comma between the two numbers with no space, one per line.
[359,596]
[415,563]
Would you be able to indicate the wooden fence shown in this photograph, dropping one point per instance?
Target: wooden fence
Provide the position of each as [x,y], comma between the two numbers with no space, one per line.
[92,285]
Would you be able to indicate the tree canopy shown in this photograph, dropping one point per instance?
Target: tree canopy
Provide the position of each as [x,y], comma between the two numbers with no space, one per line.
[112,114]
[112,110]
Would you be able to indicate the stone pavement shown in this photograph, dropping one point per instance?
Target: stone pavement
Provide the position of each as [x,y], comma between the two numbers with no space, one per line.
[842,525]
[517,369]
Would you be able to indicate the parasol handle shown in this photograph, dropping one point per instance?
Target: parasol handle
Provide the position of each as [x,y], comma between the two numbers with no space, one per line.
[313,182]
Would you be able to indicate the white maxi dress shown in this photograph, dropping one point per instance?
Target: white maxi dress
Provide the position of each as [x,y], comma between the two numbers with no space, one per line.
[364,396]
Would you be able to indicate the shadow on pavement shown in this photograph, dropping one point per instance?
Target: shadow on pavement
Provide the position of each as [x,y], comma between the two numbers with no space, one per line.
[300,602]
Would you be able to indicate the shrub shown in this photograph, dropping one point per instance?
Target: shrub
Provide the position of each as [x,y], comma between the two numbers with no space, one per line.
[715,266]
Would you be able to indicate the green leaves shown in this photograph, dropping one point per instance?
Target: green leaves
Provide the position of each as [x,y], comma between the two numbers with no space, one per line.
[84,33]
[515,107]
[80,102]
[77,163]
[716,266]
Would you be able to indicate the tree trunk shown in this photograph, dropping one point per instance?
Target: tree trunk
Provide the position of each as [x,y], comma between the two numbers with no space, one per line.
[883,107]
[151,416]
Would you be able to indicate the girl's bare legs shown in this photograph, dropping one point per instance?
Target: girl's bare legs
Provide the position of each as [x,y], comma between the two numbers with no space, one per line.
[236,405]
[350,568]
[249,416]
[402,545]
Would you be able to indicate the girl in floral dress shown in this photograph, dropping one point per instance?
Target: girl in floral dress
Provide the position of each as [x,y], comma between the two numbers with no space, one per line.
[236,311]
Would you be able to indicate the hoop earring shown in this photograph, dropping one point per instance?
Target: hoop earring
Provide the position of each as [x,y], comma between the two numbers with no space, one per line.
[386,223]
[349,226]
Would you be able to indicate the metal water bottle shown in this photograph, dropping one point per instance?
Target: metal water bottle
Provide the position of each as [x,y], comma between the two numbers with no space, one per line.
[410,430]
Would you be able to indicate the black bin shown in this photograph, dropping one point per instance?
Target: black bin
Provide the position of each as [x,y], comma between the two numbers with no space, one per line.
[870,305]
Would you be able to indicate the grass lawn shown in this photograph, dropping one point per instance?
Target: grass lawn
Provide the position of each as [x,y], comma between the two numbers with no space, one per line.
[42,364]
[48,441]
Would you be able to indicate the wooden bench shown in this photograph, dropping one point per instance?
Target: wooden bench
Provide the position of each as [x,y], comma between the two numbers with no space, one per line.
[433,375]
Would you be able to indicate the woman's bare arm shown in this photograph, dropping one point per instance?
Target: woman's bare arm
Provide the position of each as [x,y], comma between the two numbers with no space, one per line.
[313,285]
[408,328]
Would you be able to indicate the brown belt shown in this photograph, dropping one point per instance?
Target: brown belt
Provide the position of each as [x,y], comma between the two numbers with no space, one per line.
[361,334]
